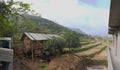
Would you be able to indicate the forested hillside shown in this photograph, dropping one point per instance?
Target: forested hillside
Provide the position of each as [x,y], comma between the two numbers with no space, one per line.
[42,25]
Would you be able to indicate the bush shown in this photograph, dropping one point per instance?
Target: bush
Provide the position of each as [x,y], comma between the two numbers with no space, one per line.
[72,40]
[53,47]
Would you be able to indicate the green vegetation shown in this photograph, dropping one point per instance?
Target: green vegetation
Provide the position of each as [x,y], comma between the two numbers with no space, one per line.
[82,49]
[43,66]
[14,24]
[99,62]
[53,47]
[90,58]
[41,25]
[97,52]
[86,43]
[10,15]
[72,40]
[86,48]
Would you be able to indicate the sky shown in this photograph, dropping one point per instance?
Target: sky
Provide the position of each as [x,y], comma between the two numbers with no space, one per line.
[90,16]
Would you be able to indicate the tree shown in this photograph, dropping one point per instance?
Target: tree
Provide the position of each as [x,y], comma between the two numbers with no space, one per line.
[10,12]
[54,46]
[72,40]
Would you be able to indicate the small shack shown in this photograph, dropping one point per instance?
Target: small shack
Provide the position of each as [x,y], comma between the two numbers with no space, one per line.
[34,42]
[6,54]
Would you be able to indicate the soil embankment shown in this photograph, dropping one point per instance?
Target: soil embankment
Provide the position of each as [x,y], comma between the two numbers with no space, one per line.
[67,62]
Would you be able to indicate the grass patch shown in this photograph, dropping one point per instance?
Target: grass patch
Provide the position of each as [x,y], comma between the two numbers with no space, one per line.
[93,54]
[85,43]
[43,66]
[99,62]
[82,49]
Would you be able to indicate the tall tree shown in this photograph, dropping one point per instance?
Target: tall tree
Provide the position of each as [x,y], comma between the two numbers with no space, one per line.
[9,15]
[72,39]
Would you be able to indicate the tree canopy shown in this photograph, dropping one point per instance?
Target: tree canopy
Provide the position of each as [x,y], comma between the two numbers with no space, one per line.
[54,46]
[72,39]
[9,15]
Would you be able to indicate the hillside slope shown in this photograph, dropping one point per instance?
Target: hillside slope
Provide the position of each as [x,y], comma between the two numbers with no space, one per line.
[41,25]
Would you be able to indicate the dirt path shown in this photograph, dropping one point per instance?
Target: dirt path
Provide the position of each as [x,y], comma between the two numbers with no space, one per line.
[25,64]
[101,56]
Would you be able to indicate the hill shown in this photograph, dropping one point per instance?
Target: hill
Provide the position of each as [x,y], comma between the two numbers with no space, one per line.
[46,26]
[41,25]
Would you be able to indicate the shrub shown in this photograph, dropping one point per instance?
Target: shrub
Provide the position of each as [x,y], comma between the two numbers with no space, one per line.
[54,47]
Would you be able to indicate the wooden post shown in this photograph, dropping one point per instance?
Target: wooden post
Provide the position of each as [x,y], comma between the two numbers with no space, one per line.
[32,50]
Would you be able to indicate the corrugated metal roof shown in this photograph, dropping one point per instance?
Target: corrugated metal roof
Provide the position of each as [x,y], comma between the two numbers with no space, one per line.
[37,36]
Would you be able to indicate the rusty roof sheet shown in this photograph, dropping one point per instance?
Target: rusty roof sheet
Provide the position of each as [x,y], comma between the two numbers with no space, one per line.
[37,36]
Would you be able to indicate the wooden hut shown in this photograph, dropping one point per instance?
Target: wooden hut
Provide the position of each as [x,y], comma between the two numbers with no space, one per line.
[34,42]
